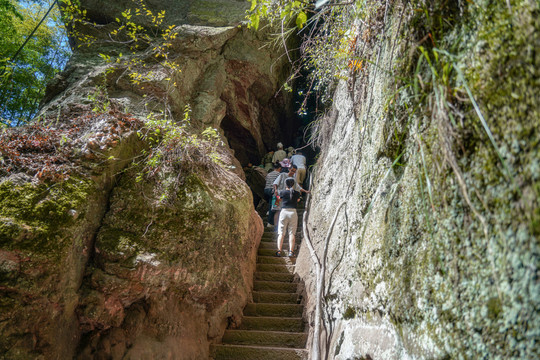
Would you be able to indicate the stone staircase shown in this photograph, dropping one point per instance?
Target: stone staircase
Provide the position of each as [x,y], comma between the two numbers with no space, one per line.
[272,327]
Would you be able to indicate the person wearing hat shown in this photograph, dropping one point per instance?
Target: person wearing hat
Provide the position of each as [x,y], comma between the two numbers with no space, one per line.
[279,155]
[285,165]
[290,152]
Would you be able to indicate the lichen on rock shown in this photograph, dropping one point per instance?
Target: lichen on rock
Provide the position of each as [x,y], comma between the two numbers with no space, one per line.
[438,252]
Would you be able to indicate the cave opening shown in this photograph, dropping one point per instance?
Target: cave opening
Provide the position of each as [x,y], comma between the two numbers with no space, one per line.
[284,118]
[241,141]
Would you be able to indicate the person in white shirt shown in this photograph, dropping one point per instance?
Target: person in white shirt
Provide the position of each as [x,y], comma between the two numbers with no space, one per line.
[280,154]
[300,161]
[279,183]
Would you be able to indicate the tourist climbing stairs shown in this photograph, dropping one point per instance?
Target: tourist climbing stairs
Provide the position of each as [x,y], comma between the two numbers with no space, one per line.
[272,327]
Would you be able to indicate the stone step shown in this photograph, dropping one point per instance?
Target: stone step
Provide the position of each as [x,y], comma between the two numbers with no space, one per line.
[273,245]
[275,268]
[274,286]
[267,251]
[242,352]
[275,297]
[271,276]
[272,323]
[283,260]
[273,239]
[274,234]
[278,310]
[265,338]
[272,326]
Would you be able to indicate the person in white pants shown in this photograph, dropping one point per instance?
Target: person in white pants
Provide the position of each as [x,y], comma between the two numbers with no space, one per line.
[288,219]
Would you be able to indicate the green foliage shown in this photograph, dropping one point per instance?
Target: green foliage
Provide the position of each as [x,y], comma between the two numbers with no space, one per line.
[142,54]
[174,148]
[329,50]
[23,80]
[281,11]
[73,16]
[134,44]
[100,100]
[301,19]
[9,19]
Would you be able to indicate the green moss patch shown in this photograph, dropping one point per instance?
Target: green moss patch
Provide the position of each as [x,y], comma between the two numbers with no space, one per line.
[34,215]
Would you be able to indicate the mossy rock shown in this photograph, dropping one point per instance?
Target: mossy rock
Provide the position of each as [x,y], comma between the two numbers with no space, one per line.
[36,215]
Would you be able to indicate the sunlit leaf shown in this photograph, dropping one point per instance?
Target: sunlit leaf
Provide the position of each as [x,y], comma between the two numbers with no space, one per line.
[301,19]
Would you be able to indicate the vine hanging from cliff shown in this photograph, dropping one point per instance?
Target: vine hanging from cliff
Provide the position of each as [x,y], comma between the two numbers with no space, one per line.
[333,36]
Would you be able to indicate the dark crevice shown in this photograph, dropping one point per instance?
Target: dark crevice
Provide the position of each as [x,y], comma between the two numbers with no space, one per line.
[92,249]
[241,141]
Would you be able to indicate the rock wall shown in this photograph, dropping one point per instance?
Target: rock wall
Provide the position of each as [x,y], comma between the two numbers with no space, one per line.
[225,76]
[435,251]
[216,13]
[99,259]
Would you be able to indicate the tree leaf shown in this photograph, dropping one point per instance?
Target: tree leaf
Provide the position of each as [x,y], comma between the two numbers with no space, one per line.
[301,19]
[254,19]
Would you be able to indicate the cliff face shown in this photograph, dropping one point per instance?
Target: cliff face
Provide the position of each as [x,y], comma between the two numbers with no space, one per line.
[111,249]
[435,251]
[215,13]
[126,232]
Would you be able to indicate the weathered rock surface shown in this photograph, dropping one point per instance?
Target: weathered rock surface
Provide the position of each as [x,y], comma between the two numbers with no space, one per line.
[177,12]
[162,278]
[47,234]
[95,264]
[415,271]
[256,179]
[227,78]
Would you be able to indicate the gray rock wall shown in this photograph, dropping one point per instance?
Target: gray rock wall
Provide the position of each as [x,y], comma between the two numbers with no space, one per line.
[435,254]
[177,12]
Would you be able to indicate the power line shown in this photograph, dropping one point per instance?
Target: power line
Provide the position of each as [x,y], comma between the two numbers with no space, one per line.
[30,36]
[4,69]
